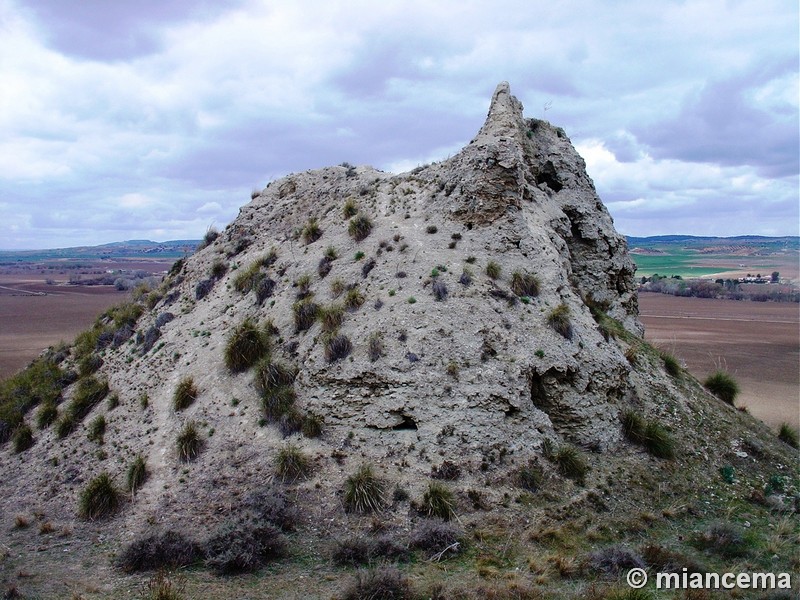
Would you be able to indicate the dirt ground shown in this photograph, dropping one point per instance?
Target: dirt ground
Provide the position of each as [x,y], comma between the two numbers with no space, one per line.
[757,342]
[30,321]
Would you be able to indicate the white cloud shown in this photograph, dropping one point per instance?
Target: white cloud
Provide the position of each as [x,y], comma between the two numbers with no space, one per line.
[675,104]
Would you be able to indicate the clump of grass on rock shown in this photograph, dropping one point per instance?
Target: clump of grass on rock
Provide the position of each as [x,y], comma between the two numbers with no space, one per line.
[723,386]
[524,284]
[559,321]
[788,435]
[438,501]
[648,433]
[185,394]
[493,270]
[360,227]
[363,491]
[99,498]
[22,438]
[245,346]
[570,462]
[189,442]
[137,474]
[337,347]
[291,464]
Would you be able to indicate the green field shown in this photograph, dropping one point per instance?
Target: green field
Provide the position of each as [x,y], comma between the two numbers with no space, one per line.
[674,264]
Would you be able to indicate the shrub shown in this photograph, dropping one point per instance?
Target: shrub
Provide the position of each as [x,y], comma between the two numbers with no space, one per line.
[466,277]
[264,288]
[337,347]
[189,442]
[349,209]
[438,501]
[493,270]
[185,394]
[324,266]
[723,386]
[47,414]
[723,539]
[375,346]
[439,289]
[613,560]
[435,536]
[305,314]
[355,551]
[211,235]
[367,267]
[383,583]
[203,288]
[136,475]
[358,256]
[97,429]
[431,229]
[354,299]
[571,463]
[169,549]
[218,269]
[524,284]
[671,364]
[360,227]
[312,231]
[788,434]
[363,491]
[22,438]
[559,320]
[447,470]
[331,317]
[292,464]
[243,546]
[245,346]
[99,498]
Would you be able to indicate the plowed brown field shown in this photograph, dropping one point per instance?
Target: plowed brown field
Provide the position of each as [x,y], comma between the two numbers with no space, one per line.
[757,342]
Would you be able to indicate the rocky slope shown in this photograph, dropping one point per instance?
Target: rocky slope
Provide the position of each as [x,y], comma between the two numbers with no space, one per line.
[476,316]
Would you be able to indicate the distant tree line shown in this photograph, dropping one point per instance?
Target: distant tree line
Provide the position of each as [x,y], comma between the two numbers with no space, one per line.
[730,289]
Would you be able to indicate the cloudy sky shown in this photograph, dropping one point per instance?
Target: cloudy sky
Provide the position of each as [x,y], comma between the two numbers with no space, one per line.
[156,119]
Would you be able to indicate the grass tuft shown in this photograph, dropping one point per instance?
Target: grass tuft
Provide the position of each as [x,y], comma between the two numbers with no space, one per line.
[99,498]
[438,501]
[360,227]
[245,346]
[312,231]
[493,270]
[185,394]
[382,583]
[671,364]
[363,491]
[189,442]
[136,475]
[524,284]
[571,463]
[305,314]
[291,464]
[723,386]
[559,321]
[788,435]
[337,347]
[22,438]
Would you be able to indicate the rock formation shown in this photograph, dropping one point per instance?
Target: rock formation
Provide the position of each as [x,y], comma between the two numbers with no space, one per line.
[479,311]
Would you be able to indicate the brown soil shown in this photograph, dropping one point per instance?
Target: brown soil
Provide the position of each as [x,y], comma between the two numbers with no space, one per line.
[757,342]
[34,316]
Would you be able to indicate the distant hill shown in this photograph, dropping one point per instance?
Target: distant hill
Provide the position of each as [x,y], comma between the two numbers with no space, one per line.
[693,241]
[113,250]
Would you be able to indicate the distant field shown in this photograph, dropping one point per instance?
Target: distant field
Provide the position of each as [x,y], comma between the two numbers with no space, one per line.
[757,342]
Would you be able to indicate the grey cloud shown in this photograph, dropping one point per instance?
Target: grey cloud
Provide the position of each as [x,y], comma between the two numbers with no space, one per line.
[111,30]
[719,125]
